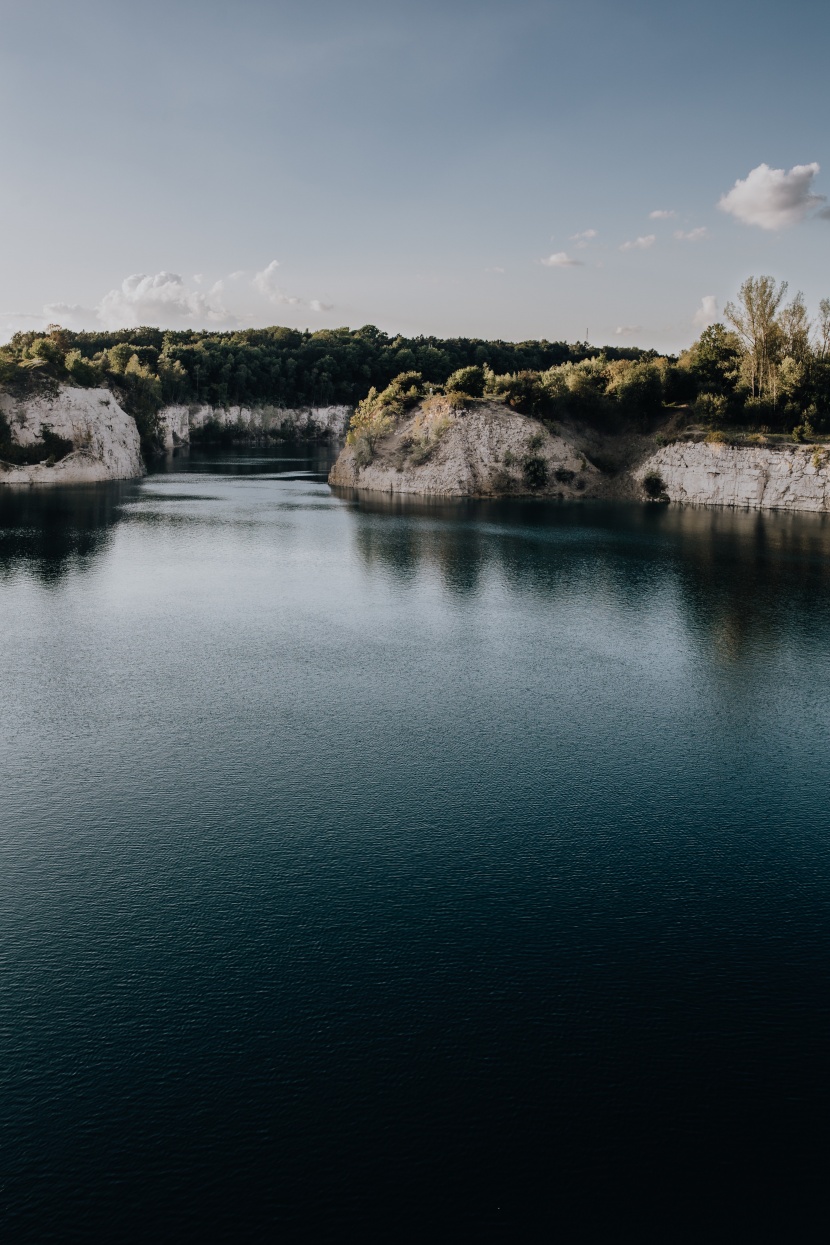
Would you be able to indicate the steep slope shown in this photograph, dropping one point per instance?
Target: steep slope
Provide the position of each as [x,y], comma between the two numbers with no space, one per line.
[485,450]
[104,438]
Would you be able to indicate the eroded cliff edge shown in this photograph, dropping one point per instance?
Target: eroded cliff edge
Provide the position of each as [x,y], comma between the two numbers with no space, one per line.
[69,436]
[488,449]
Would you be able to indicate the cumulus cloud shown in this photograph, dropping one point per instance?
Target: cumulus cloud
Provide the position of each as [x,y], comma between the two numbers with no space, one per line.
[582,239]
[561,259]
[316,305]
[163,299]
[267,282]
[627,330]
[662,214]
[639,244]
[71,316]
[773,198]
[692,235]
[707,312]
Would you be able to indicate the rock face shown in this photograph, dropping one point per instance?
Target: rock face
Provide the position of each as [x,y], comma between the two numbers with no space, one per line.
[104,437]
[312,422]
[487,450]
[789,478]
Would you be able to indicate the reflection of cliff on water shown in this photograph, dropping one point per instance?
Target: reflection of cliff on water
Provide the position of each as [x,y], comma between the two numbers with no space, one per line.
[52,531]
[739,577]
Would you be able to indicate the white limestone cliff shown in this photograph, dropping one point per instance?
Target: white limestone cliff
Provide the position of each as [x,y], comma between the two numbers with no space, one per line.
[104,437]
[179,421]
[476,452]
[793,477]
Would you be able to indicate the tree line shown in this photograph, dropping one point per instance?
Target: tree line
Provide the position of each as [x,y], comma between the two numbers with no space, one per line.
[280,366]
[767,366]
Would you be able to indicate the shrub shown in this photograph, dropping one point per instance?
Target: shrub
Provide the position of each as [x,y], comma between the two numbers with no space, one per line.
[363,452]
[653,486]
[467,380]
[535,471]
[710,408]
[716,438]
[377,414]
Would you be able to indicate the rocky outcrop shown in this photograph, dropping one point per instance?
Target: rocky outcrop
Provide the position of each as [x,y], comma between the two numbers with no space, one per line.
[489,450]
[105,440]
[782,478]
[179,422]
[486,450]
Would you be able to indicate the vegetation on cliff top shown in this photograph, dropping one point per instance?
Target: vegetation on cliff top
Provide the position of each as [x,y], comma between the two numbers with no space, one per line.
[767,367]
[148,368]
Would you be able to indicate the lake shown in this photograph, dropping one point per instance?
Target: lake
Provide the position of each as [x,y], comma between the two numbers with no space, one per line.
[454,870]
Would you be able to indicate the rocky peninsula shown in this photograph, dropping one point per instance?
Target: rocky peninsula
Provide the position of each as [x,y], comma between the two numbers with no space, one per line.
[486,449]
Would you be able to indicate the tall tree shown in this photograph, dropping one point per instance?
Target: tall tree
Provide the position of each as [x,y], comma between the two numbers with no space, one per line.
[795,330]
[823,329]
[755,318]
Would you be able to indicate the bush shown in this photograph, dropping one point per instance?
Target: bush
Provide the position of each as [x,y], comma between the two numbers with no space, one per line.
[653,486]
[467,380]
[377,414]
[716,437]
[535,471]
[363,452]
[710,408]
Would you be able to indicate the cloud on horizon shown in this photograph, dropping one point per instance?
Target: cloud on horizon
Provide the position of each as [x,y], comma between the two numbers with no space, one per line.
[627,330]
[267,283]
[163,299]
[166,300]
[772,198]
[707,312]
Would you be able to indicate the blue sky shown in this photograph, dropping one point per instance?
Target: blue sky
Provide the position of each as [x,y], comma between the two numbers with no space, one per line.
[409,165]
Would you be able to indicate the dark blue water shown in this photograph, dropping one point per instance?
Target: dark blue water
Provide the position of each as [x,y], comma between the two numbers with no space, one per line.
[409,870]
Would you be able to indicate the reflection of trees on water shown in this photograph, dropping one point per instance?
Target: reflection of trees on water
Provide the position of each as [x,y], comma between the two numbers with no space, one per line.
[50,532]
[740,578]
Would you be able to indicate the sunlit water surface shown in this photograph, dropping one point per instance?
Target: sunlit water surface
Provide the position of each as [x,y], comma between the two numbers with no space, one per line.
[459,869]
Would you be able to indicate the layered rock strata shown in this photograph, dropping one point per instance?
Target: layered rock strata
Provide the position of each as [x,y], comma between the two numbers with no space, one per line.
[784,478]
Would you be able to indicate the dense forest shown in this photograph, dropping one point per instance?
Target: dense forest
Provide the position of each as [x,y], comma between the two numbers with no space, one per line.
[766,368]
[149,368]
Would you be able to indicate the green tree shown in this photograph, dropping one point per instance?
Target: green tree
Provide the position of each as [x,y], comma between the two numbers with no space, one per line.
[755,319]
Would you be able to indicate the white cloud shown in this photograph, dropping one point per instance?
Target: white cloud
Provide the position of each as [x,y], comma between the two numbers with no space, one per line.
[692,235]
[639,244]
[662,214]
[316,305]
[561,259]
[267,283]
[163,299]
[495,268]
[773,198]
[627,330]
[582,239]
[71,316]
[707,312]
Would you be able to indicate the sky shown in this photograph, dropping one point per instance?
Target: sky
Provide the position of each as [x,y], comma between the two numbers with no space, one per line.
[607,169]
